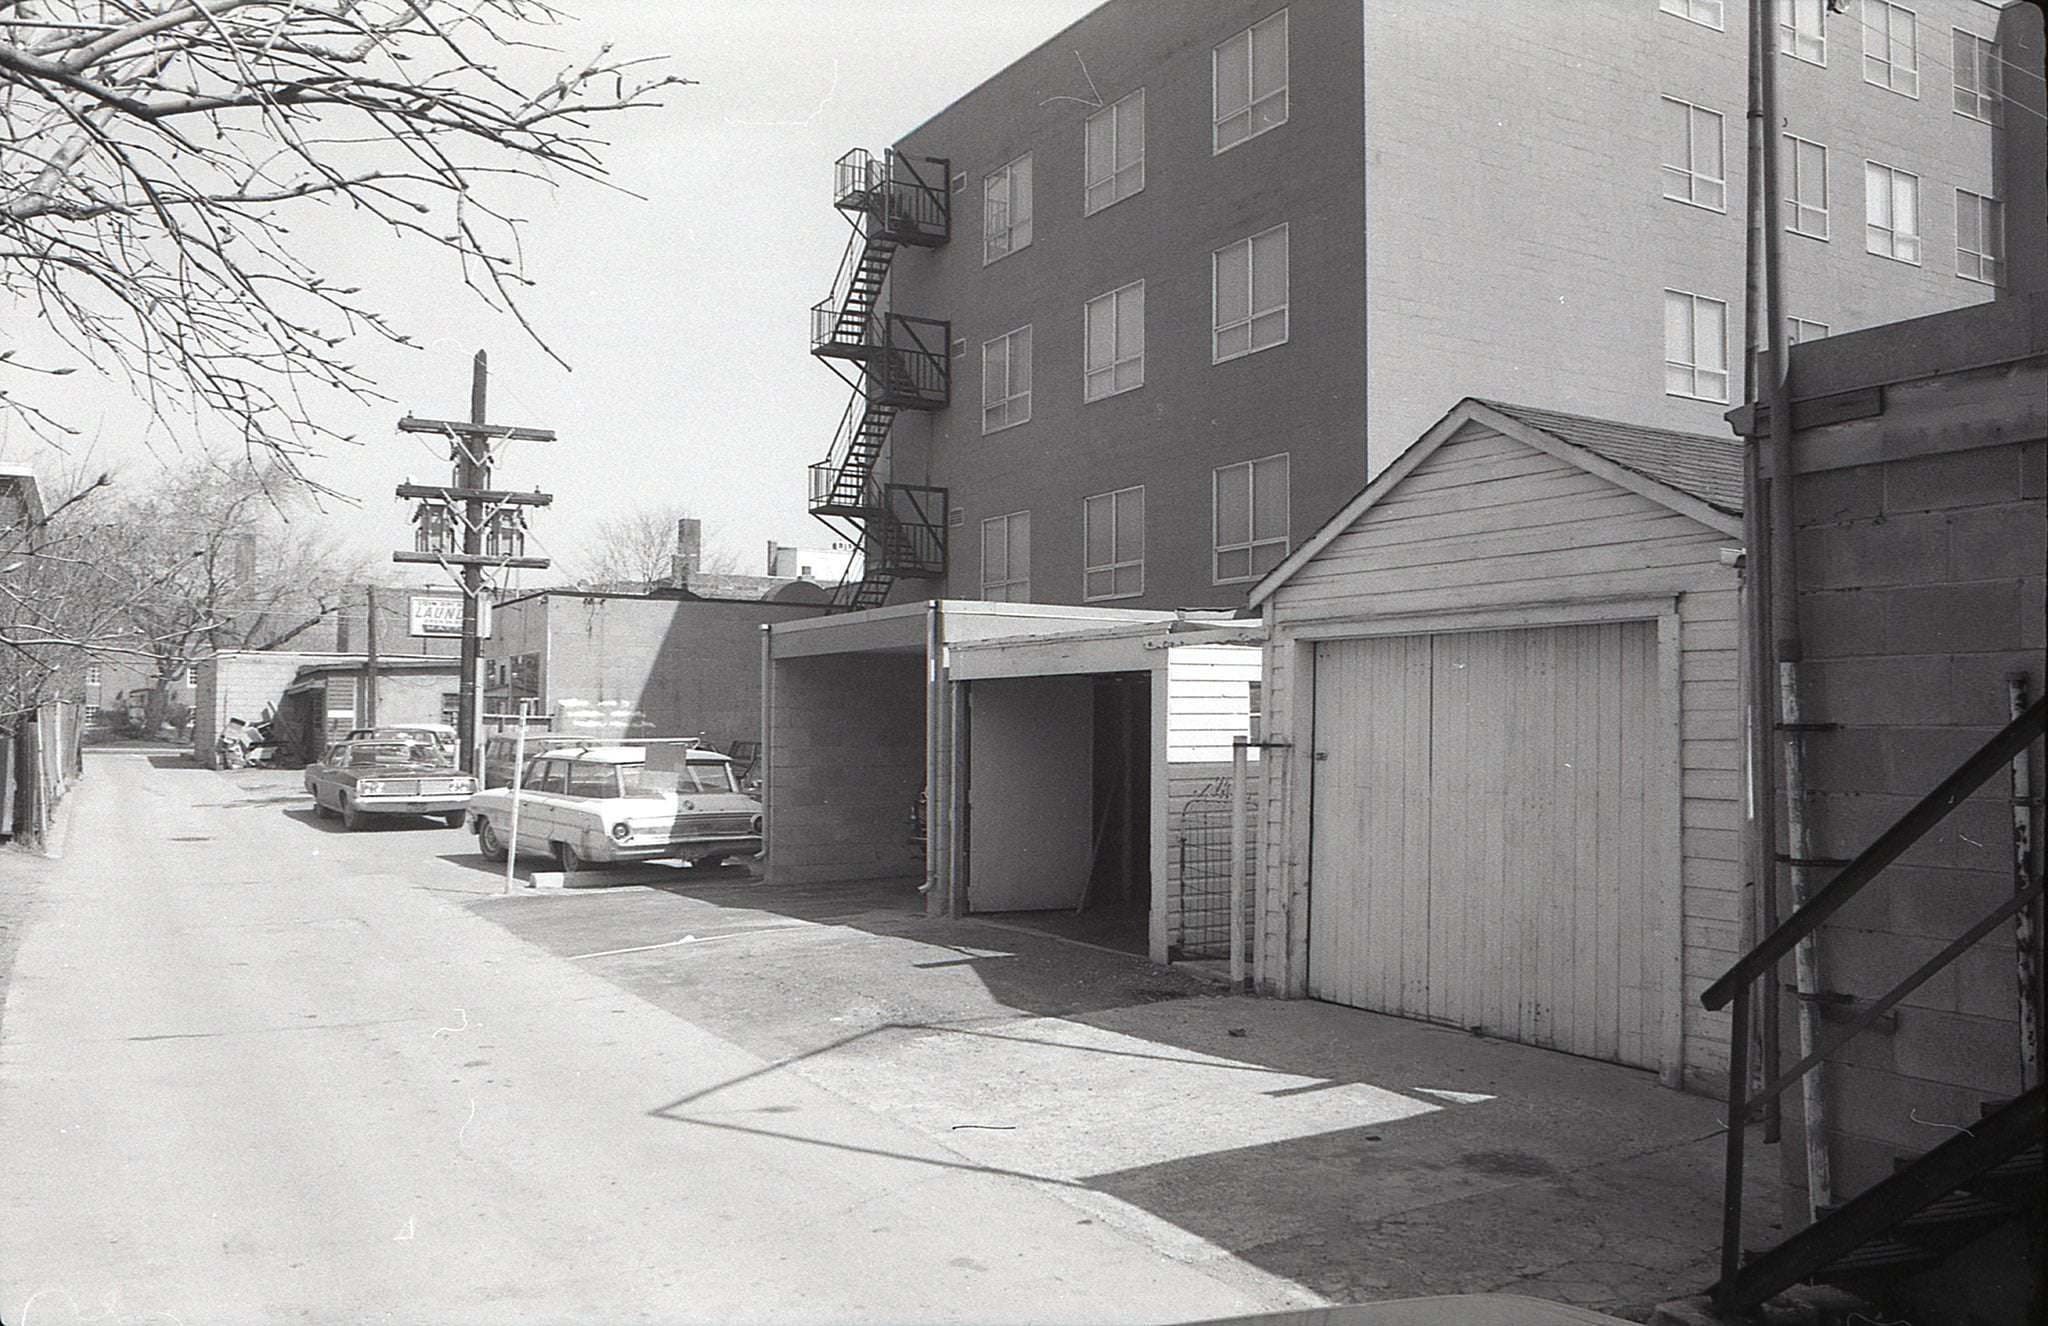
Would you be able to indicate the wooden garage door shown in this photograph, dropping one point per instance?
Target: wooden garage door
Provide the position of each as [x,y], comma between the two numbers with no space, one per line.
[1482,811]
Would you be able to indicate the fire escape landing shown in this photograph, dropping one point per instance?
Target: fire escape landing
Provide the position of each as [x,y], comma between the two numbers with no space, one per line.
[893,363]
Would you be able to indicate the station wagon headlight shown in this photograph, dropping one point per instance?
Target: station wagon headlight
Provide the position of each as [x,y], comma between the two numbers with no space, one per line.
[622,831]
[755,824]
[369,789]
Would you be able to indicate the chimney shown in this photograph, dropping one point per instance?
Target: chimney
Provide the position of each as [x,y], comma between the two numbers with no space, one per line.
[689,554]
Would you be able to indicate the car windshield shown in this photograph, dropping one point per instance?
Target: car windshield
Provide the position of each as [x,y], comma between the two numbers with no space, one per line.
[387,754]
[695,776]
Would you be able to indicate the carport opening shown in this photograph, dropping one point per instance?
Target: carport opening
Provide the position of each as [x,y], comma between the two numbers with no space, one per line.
[1061,784]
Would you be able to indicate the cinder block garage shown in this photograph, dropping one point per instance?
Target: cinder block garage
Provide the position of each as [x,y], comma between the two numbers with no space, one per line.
[1059,749]
[1506,679]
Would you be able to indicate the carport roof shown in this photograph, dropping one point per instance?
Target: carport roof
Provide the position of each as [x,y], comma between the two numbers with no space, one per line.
[900,627]
[1694,474]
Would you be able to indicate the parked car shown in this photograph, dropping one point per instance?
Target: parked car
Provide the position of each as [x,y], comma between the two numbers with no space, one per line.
[356,779]
[441,734]
[587,805]
[500,750]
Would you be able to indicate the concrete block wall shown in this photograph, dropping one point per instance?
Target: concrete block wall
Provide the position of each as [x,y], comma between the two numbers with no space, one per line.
[847,735]
[1921,589]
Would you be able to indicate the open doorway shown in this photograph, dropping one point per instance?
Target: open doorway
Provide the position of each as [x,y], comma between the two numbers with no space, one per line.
[1059,795]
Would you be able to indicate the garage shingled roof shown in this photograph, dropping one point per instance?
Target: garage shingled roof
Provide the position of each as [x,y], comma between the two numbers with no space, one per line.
[1708,468]
[1696,474]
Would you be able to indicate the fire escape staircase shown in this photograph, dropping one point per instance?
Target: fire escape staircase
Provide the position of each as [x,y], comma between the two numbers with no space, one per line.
[1987,1177]
[893,363]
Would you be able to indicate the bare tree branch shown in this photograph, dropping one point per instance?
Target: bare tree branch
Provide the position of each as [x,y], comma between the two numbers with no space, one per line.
[158,152]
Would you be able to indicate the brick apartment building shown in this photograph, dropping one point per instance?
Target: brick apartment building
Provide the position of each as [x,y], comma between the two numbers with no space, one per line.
[1130,319]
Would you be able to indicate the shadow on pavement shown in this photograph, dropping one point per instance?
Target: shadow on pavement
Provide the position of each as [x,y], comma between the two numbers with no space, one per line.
[306,815]
[1360,1155]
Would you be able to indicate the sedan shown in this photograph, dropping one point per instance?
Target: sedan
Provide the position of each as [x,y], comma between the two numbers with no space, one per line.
[356,779]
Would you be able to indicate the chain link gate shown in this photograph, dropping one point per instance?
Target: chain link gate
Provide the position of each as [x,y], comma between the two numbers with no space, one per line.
[1202,853]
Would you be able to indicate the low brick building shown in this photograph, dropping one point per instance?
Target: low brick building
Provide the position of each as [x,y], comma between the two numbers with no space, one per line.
[666,663]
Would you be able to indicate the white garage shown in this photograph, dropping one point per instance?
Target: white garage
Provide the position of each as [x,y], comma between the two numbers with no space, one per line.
[1506,677]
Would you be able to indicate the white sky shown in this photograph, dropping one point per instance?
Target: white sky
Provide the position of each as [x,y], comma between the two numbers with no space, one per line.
[685,317]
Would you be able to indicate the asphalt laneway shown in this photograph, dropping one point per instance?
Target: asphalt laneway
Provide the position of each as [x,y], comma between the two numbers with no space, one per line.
[255,1069]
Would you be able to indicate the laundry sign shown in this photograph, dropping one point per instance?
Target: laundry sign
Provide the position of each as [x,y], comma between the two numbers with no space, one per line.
[441,615]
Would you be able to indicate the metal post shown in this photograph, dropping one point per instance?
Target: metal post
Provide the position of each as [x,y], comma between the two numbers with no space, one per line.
[1785,635]
[518,779]
[472,471]
[2026,923]
[1731,1170]
[1237,854]
[370,658]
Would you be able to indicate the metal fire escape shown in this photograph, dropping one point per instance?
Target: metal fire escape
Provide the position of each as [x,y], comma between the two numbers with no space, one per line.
[892,362]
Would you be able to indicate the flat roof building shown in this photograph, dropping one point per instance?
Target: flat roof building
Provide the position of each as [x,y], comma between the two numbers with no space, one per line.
[1130,319]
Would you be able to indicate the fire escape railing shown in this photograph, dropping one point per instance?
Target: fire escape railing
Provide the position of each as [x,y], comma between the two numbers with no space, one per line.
[892,361]
[1736,988]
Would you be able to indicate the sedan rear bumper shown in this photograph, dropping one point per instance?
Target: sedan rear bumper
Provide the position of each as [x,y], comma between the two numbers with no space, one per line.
[440,805]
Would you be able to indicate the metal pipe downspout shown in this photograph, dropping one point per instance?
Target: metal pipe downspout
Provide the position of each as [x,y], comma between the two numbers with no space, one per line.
[1760,699]
[1785,637]
[935,883]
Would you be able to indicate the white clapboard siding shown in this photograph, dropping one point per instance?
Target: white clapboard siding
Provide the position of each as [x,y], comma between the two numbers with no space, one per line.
[1208,700]
[1489,525]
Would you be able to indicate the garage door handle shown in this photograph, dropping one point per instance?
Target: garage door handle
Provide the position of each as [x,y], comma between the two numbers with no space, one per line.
[1322,755]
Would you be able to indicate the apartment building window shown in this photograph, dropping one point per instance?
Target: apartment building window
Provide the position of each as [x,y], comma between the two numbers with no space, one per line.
[1802,31]
[1891,47]
[1704,12]
[1248,283]
[1980,78]
[1006,381]
[1251,518]
[1006,558]
[1980,237]
[1891,205]
[1806,197]
[1113,537]
[1249,81]
[1115,354]
[92,674]
[1798,331]
[1695,346]
[1115,141]
[1693,168]
[1006,210]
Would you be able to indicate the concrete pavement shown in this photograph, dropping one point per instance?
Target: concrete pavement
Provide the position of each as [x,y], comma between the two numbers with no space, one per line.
[257,1070]
[1360,1156]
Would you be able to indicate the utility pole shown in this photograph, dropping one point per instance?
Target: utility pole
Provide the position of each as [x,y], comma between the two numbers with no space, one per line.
[470,446]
